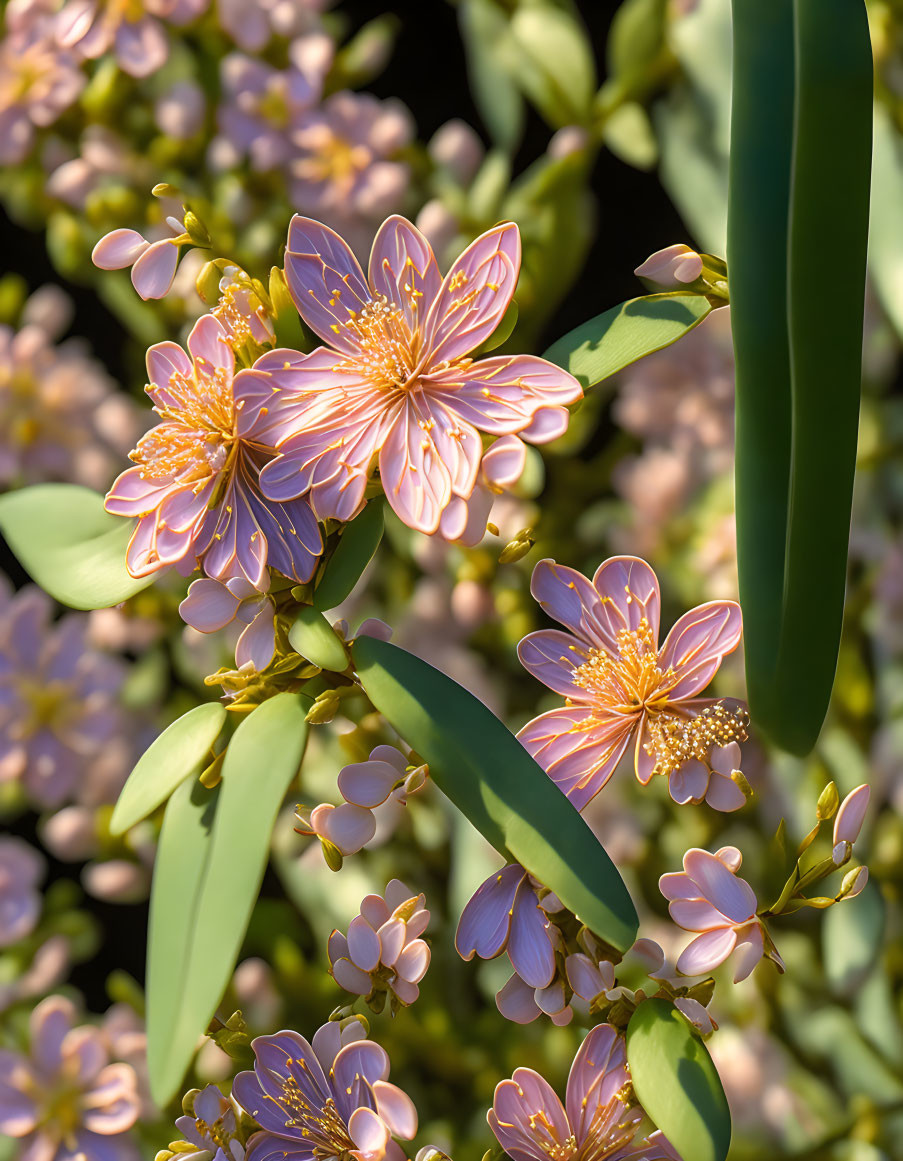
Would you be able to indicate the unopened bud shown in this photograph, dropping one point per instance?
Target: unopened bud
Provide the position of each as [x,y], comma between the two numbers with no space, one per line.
[164,190]
[279,293]
[207,283]
[492,529]
[331,854]
[324,709]
[841,853]
[406,909]
[740,779]
[196,229]
[213,774]
[828,802]
[416,779]
[188,1102]
[853,882]
[164,1155]
[518,547]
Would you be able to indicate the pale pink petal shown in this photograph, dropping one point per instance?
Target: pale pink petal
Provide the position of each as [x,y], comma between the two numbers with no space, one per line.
[141,49]
[112,1104]
[474,296]
[49,1025]
[598,1073]
[583,976]
[368,1131]
[548,424]
[629,594]
[724,794]
[695,914]
[336,948]
[732,896]
[503,463]
[413,962]
[350,977]
[695,1013]
[552,657]
[374,910]
[392,936]
[706,952]
[698,643]
[257,642]
[209,606]
[325,281]
[403,268]
[731,858]
[578,748]
[118,249]
[398,893]
[516,1003]
[163,361]
[688,783]
[349,827]
[367,783]
[850,816]
[153,272]
[363,944]
[749,951]
[208,345]
[416,480]
[396,1108]
[677,885]
[486,919]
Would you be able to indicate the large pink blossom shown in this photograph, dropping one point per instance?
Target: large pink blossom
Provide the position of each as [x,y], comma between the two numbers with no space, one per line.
[620,687]
[195,487]
[597,1121]
[709,897]
[397,384]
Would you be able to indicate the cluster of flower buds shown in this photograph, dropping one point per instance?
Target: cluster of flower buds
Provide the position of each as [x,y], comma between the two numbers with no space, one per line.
[382,956]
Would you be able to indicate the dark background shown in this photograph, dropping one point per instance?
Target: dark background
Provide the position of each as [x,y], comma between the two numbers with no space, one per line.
[427,72]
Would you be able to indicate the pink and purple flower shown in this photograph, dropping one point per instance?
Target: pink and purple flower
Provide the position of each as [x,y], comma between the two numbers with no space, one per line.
[195,488]
[397,385]
[621,688]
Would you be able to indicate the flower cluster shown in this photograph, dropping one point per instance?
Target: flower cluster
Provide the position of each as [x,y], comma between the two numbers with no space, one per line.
[382,954]
[21,869]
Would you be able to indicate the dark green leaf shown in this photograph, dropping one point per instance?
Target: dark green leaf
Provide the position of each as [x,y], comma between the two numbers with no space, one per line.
[620,336]
[676,1082]
[314,638]
[828,240]
[495,783]
[359,542]
[179,869]
[178,752]
[69,545]
[263,757]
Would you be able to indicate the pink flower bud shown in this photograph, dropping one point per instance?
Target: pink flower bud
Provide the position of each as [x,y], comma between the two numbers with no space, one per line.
[671,268]
[848,822]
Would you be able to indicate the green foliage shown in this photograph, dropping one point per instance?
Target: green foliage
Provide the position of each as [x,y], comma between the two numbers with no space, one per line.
[552,60]
[207,878]
[178,752]
[356,548]
[677,1083]
[479,764]
[314,638]
[74,549]
[852,937]
[613,340]
[484,30]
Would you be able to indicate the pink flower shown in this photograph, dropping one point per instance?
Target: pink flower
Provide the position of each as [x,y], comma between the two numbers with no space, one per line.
[153,263]
[21,869]
[137,39]
[195,487]
[386,774]
[620,687]
[382,952]
[211,605]
[66,1100]
[708,897]
[848,822]
[398,385]
[213,1126]
[346,827]
[598,1119]
[671,268]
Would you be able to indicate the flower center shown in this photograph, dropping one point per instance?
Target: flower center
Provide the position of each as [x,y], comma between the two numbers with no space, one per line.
[319,1124]
[50,706]
[631,680]
[612,1127]
[678,738]
[387,355]
[333,159]
[198,433]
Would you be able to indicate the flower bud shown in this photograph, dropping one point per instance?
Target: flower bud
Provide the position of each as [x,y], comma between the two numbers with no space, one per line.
[324,709]
[672,268]
[196,229]
[853,883]
[164,190]
[828,801]
[517,548]
[188,1102]
[851,814]
[207,283]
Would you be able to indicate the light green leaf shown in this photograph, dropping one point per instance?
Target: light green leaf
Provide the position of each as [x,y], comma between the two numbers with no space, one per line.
[613,340]
[676,1082]
[552,59]
[495,783]
[179,868]
[852,937]
[485,33]
[314,638]
[886,241]
[263,758]
[359,542]
[69,545]
[628,133]
[177,753]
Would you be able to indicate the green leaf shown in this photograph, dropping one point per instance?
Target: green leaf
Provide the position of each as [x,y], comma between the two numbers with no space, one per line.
[762,134]
[613,340]
[886,249]
[69,545]
[552,59]
[636,42]
[490,777]
[676,1082]
[179,868]
[828,239]
[485,33]
[262,760]
[314,638]
[628,133]
[356,548]
[852,938]
[169,759]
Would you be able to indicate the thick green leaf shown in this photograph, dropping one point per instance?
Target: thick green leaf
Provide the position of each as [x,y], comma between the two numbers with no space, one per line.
[69,545]
[179,869]
[314,638]
[676,1082]
[552,59]
[355,550]
[613,340]
[495,783]
[263,757]
[169,759]
[852,937]
[828,239]
[485,33]
[762,134]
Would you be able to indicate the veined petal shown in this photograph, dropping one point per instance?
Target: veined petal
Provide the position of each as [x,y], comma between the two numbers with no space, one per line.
[629,593]
[578,748]
[698,643]
[208,345]
[501,395]
[529,945]
[415,478]
[552,656]
[325,281]
[526,1115]
[163,361]
[404,269]
[474,295]
[486,919]
[598,1073]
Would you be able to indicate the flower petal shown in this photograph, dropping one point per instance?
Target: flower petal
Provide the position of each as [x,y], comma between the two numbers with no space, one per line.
[706,952]
[552,658]
[629,593]
[486,919]
[209,606]
[698,643]
[257,642]
[851,814]
[118,249]
[325,281]
[404,269]
[363,944]
[732,896]
[396,1108]
[688,783]
[578,748]
[368,1131]
[154,270]
[529,943]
